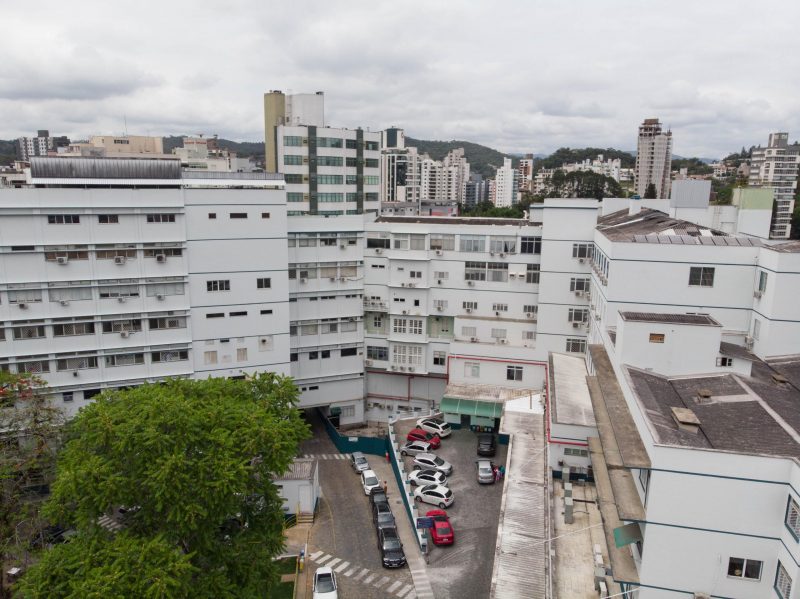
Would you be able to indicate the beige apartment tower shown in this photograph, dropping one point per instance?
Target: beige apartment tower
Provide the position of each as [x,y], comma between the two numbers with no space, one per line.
[288,109]
[653,159]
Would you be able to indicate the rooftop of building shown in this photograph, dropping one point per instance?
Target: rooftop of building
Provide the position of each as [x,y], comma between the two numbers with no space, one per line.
[299,469]
[570,402]
[455,220]
[489,393]
[789,247]
[755,415]
[653,226]
[670,318]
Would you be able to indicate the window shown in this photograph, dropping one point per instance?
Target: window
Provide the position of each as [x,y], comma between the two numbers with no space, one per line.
[330,161]
[756,328]
[73,328]
[372,180]
[475,271]
[513,373]
[531,245]
[581,250]
[266,311]
[130,325]
[440,304]
[579,284]
[24,296]
[294,196]
[529,335]
[578,315]
[156,287]
[441,275]
[241,354]
[219,285]
[577,346]
[371,145]
[70,252]
[377,353]
[160,218]
[265,215]
[701,276]
[215,315]
[325,354]
[329,142]
[656,338]
[762,281]
[168,322]
[442,242]
[212,215]
[792,519]
[263,283]
[238,215]
[744,568]
[724,362]
[499,333]
[27,364]
[469,305]
[348,351]
[502,245]
[162,251]
[407,354]
[67,396]
[500,307]
[77,363]
[472,370]
[63,219]
[498,271]
[439,358]
[399,325]
[415,327]
[469,331]
[293,159]
[783,582]
[108,219]
[371,163]
[329,327]
[309,329]
[113,251]
[531,309]
[532,274]
[174,355]
[29,331]
[292,140]
[210,357]
[293,357]
[293,179]
[472,243]
[118,291]
[378,242]
[124,359]
[574,451]
[243,313]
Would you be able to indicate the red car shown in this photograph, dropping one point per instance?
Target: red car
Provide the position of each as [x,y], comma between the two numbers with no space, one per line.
[417,434]
[442,533]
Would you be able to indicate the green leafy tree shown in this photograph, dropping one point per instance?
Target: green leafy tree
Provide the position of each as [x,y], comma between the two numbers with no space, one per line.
[582,184]
[102,565]
[650,192]
[30,434]
[196,459]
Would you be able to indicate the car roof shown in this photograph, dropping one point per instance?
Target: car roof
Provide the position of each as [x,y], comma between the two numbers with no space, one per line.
[434,487]
[430,456]
[366,473]
[358,454]
[484,462]
[324,570]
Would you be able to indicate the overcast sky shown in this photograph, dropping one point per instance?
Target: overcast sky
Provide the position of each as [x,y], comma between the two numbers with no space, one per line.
[528,76]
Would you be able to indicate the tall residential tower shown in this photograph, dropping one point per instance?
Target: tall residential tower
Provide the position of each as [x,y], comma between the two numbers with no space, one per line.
[653,159]
[776,167]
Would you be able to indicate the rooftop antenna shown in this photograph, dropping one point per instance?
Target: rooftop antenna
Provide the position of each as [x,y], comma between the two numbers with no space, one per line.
[125,120]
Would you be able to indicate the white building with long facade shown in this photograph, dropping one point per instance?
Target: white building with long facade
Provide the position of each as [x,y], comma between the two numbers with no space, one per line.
[776,167]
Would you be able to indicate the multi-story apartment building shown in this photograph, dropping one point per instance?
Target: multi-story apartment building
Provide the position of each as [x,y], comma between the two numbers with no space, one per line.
[204,153]
[456,172]
[293,110]
[525,173]
[330,172]
[776,166]
[607,168]
[40,145]
[505,186]
[477,191]
[653,159]
[118,272]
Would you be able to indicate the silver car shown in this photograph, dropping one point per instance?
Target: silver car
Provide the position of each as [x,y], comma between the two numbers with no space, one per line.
[359,462]
[415,447]
[485,472]
[431,461]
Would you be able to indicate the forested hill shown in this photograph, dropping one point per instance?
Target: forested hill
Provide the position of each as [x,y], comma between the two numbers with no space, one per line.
[245,149]
[569,155]
[481,159]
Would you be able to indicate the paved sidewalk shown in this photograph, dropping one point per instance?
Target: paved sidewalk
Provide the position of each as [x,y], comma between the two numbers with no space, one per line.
[296,538]
[416,561]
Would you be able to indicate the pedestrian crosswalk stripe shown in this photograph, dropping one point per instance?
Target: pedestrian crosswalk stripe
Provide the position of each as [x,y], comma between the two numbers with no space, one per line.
[342,566]
[333,562]
[369,579]
[362,574]
[404,590]
[349,573]
[381,582]
[324,559]
[315,555]
[393,586]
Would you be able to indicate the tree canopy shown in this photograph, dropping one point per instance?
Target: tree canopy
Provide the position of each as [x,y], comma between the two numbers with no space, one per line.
[582,184]
[650,192]
[194,461]
[569,155]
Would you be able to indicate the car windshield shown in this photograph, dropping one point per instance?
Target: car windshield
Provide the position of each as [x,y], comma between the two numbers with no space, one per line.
[360,461]
[444,530]
[391,544]
[325,583]
[485,470]
[438,461]
[449,494]
[370,481]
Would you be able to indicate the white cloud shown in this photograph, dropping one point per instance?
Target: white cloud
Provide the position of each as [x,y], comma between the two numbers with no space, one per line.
[519,76]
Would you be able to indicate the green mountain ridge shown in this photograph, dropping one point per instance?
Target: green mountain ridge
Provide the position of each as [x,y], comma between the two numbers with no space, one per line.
[482,159]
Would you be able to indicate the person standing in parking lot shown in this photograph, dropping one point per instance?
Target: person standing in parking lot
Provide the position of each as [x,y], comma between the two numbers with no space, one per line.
[385,488]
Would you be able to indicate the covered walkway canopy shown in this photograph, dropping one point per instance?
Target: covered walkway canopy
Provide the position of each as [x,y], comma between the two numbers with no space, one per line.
[485,401]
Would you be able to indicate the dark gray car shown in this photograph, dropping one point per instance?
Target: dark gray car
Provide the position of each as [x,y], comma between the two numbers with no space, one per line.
[382,516]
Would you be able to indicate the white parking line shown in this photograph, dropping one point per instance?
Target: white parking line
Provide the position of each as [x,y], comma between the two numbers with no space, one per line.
[333,562]
[349,573]
[362,574]
[369,578]
[393,586]
[405,590]
[324,559]
[315,555]
[342,566]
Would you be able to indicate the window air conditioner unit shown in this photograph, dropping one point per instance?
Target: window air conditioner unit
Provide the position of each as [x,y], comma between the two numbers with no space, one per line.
[333,278]
[367,362]
[161,257]
[124,334]
[411,369]
[440,308]
[402,284]
[62,259]
[579,293]
[471,283]
[378,251]
[748,342]
[23,306]
[473,339]
[122,299]
[576,324]
[502,255]
[303,280]
[529,314]
[469,310]
[502,340]
[513,275]
[402,368]
[412,285]
[74,373]
[438,252]
[491,253]
[120,259]
[405,311]
[581,260]
[160,296]
[342,247]
[758,294]
[64,302]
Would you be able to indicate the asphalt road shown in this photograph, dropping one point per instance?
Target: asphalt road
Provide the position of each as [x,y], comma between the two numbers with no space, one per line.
[464,570]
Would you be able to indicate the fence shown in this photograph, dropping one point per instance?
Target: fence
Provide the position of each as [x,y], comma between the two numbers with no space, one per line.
[345,444]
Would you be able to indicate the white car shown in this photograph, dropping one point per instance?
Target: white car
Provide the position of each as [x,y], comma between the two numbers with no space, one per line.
[325,584]
[415,447]
[370,482]
[435,426]
[417,478]
[435,495]
[430,461]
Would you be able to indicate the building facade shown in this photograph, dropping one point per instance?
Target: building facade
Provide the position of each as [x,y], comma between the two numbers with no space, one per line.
[653,159]
[505,186]
[41,145]
[776,166]
[293,110]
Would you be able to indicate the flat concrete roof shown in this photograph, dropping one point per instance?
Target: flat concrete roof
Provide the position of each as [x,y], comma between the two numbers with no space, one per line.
[492,393]
[570,401]
[455,220]
[670,318]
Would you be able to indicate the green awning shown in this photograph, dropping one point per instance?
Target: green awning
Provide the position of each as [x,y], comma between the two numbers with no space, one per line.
[471,407]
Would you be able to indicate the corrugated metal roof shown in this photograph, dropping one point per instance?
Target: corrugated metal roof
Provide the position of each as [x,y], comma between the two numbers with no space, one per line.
[300,469]
[104,168]
[225,175]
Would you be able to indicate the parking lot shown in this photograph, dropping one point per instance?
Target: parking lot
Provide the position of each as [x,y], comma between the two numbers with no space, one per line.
[464,570]
[343,536]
